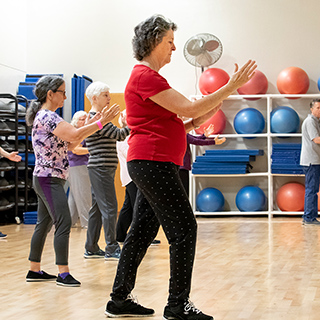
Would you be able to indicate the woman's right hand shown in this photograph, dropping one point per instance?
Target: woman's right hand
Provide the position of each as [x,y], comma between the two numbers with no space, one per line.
[209,130]
[242,75]
[109,113]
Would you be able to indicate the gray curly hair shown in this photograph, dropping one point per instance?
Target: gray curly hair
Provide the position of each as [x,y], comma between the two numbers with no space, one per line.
[149,33]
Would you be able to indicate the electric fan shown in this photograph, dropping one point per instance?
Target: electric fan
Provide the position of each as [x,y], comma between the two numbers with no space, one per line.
[203,50]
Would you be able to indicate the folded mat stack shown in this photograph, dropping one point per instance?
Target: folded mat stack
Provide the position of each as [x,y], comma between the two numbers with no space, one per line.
[225,161]
[286,158]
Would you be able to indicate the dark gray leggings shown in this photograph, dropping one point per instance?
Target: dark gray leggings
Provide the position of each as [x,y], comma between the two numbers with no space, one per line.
[52,209]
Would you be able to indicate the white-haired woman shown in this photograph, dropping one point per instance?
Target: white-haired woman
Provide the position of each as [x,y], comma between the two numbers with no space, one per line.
[102,166]
[79,199]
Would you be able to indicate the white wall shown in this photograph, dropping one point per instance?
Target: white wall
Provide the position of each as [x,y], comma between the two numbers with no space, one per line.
[13,35]
[94,38]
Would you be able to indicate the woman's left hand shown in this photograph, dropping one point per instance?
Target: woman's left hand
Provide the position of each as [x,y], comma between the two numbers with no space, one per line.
[95,118]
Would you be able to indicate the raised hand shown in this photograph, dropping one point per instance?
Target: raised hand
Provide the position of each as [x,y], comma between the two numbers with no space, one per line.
[95,118]
[109,113]
[209,130]
[242,75]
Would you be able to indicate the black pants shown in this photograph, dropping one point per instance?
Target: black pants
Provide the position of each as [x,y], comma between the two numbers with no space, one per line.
[184,176]
[126,212]
[161,199]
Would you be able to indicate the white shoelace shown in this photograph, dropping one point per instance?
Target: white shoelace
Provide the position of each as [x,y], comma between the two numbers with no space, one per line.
[190,305]
[132,298]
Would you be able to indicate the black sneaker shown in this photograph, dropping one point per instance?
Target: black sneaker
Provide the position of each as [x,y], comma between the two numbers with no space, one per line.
[2,235]
[38,277]
[68,281]
[127,308]
[187,311]
[94,255]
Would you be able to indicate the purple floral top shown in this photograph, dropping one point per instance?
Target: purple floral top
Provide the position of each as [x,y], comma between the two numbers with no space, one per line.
[50,151]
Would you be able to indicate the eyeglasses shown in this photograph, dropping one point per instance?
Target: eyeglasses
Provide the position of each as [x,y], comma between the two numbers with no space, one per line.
[63,92]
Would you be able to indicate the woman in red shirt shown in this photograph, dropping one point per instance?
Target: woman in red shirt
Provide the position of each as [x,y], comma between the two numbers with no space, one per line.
[157,145]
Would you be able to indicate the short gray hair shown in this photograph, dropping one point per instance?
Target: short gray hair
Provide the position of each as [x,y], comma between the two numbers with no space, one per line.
[313,102]
[77,116]
[149,33]
[95,89]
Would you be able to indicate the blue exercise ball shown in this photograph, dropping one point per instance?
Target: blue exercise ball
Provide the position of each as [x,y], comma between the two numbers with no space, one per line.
[210,200]
[284,120]
[248,121]
[319,84]
[251,198]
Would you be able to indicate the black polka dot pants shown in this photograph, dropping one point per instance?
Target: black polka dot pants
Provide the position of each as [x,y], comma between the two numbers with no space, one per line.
[161,199]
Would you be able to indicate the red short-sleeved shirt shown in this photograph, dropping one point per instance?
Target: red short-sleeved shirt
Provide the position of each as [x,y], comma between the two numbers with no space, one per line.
[157,134]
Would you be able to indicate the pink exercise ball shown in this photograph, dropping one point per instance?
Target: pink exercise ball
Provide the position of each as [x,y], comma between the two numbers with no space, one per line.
[290,197]
[212,79]
[293,80]
[218,120]
[258,84]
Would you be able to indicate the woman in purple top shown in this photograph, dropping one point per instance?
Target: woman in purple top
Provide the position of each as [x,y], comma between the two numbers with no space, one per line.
[51,139]
[199,141]
[79,198]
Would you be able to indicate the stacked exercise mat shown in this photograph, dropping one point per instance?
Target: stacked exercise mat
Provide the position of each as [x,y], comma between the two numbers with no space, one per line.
[286,158]
[78,87]
[30,217]
[26,88]
[225,161]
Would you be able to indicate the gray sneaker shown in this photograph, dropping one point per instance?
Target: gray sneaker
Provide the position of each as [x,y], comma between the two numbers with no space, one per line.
[314,222]
[113,256]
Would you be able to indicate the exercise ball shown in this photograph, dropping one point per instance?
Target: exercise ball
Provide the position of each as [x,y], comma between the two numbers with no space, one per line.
[290,197]
[210,200]
[218,120]
[293,80]
[284,120]
[248,121]
[258,84]
[212,79]
[251,198]
[319,83]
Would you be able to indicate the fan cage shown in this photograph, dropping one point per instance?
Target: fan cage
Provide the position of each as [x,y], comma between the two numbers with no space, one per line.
[202,57]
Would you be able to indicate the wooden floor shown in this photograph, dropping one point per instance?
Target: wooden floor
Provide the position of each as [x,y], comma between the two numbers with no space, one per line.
[245,268]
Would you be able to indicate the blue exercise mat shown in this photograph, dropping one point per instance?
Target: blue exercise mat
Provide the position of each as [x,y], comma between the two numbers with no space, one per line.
[251,152]
[219,164]
[286,166]
[222,171]
[287,146]
[225,158]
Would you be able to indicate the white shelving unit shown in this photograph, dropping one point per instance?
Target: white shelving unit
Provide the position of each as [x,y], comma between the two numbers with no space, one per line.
[261,174]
